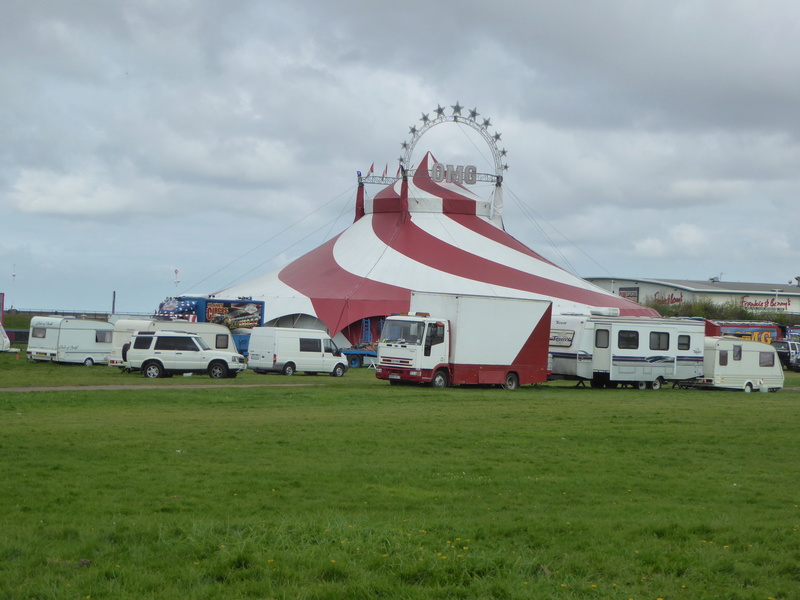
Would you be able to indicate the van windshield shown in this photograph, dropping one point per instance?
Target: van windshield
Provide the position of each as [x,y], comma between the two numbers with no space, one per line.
[403,332]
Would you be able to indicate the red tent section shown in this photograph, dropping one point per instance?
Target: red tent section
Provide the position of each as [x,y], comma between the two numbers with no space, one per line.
[418,234]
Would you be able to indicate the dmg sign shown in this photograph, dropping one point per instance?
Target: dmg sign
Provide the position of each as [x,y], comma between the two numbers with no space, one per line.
[454,173]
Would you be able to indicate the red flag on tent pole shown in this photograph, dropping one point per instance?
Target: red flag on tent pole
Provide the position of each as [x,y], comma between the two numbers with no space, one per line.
[371,169]
[385,170]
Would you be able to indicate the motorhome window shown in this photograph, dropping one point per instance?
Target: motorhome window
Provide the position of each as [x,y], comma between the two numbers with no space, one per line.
[102,337]
[737,353]
[601,338]
[659,340]
[723,358]
[684,342]
[310,345]
[221,341]
[142,343]
[39,332]
[628,340]
[766,359]
[403,332]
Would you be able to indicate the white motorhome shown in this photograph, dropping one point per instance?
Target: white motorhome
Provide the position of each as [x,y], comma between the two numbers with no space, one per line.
[459,339]
[61,339]
[737,364]
[641,351]
[287,350]
[216,336]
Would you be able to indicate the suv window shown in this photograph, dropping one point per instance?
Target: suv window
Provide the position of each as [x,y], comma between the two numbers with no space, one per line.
[184,344]
[142,343]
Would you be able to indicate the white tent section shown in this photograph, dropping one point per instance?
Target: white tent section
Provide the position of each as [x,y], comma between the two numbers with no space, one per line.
[417,234]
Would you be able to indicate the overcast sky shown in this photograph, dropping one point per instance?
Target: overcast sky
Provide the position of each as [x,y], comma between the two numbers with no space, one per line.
[222,139]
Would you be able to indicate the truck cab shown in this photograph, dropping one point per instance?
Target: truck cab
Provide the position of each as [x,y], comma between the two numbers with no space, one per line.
[413,349]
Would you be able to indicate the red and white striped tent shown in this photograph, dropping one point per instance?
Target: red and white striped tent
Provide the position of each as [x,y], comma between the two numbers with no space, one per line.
[416,234]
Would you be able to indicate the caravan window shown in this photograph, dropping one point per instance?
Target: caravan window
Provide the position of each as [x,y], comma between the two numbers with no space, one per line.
[310,345]
[659,340]
[683,342]
[628,340]
[737,353]
[723,358]
[39,332]
[221,341]
[766,359]
[601,338]
[102,337]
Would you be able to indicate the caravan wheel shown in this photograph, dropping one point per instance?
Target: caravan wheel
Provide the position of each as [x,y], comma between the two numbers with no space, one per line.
[748,387]
[656,385]
[642,385]
[88,362]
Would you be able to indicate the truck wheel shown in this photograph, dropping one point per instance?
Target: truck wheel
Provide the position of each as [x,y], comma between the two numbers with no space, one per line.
[153,370]
[338,370]
[288,369]
[512,381]
[656,385]
[355,361]
[88,362]
[440,380]
[218,370]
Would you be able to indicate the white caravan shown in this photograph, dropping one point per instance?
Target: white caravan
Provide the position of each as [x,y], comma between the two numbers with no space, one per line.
[737,364]
[216,336]
[641,351]
[5,343]
[287,350]
[61,339]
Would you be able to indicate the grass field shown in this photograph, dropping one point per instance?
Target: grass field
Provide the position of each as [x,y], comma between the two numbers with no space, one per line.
[351,488]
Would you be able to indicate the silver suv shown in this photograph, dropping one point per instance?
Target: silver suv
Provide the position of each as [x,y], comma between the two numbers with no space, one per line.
[165,353]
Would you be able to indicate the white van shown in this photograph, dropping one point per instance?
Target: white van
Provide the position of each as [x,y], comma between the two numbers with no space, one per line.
[217,337]
[59,339]
[287,350]
[738,364]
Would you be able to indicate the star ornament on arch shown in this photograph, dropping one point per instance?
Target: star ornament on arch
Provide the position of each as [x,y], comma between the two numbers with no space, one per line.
[496,137]
[439,111]
[486,123]
[425,119]
[473,114]
[457,108]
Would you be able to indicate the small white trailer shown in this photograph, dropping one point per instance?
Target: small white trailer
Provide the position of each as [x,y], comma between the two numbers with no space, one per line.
[5,343]
[642,351]
[67,340]
[216,336]
[737,364]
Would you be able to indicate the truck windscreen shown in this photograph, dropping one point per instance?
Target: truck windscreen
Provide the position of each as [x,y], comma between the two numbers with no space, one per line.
[397,331]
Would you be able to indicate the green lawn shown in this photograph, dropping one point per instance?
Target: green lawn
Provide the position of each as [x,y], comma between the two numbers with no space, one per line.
[351,488]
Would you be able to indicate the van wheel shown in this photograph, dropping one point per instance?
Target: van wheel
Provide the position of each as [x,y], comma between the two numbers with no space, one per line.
[288,369]
[748,387]
[656,385]
[153,370]
[338,370]
[512,381]
[88,362]
[440,380]
[218,370]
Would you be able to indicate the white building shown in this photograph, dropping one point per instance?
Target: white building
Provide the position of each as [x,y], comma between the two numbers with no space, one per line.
[767,297]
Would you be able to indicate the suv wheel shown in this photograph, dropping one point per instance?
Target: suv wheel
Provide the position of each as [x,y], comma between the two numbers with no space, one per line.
[288,369]
[218,370]
[153,370]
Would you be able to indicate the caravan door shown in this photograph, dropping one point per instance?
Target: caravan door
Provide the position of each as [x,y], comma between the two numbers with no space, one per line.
[601,356]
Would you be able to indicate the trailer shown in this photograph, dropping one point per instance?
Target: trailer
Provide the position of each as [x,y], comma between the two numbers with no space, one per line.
[216,336]
[67,340]
[737,364]
[645,352]
[456,339]
[240,315]
[5,343]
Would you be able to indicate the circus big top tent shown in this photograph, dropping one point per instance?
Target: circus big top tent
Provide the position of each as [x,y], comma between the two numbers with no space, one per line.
[419,233]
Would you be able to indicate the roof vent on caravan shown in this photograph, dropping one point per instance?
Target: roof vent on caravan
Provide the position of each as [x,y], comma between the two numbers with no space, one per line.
[605,311]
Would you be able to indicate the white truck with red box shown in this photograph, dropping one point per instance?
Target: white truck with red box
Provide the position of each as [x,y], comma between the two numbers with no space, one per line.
[459,339]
